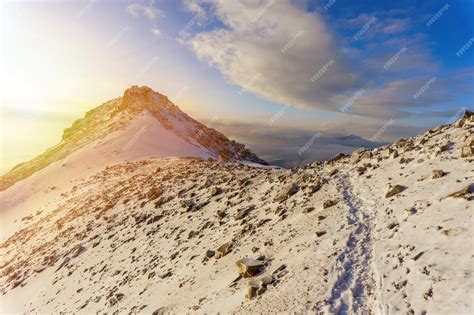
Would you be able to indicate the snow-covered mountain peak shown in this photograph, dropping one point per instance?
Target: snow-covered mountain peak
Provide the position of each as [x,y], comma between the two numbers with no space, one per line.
[140,124]
[139,98]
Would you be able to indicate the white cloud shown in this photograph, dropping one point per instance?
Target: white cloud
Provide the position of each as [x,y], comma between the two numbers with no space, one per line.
[251,43]
[147,10]
[156,31]
[395,25]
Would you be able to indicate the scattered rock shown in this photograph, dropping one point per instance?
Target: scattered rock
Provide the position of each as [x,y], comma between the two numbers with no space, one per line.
[428,294]
[223,250]
[463,193]
[329,203]
[166,275]
[467,151]
[279,269]
[409,211]
[308,209]
[394,190]
[76,251]
[437,174]
[321,217]
[338,157]
[221,214]
[417,256]
[215,191]
[248,267]
[287,192]
[314,188]
[242,213]
[442,148]
[320,233]
[210,253]
[333,172]
[392,225]
[160,311]
[251,292]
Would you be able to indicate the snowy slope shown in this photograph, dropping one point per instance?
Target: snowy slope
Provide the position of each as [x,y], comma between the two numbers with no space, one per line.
[139,125]
[144,236]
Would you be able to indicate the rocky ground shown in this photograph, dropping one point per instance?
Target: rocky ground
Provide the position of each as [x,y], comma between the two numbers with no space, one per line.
[383,231]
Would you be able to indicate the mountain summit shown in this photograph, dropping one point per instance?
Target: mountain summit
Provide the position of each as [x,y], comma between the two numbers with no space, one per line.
[140,124]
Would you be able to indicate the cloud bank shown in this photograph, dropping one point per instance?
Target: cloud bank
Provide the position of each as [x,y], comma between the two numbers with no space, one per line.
[275,50]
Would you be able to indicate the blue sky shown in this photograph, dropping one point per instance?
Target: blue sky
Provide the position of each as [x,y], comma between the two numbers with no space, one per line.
[285,68]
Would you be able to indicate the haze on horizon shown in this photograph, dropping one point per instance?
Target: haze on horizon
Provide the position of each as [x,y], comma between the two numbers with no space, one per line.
[270,74]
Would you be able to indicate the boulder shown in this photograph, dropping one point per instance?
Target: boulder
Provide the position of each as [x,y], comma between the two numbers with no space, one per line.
[248,267]
[223,250]
[361,170]
[215,191]
[261,281]
[442,148]
[320,233]
[314,188]
[394,190]
[469,141]
[409,211]
[242,213]
[77,250]
[220,214]
[468,116]
[437,174]
[329,203]
[251,292]
[287,192]
[338,157]
[355,157]
[463,193]
[333,172]
[308,209]
[366,155]
[391,153]
[467,151]
[459,123]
